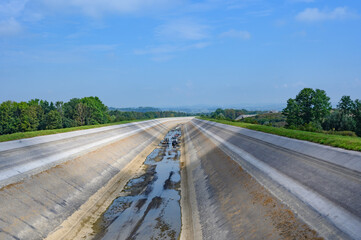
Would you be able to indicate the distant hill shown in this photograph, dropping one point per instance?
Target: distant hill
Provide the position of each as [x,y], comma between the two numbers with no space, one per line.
[210,108]
[191,109]
[138,109]
[202,108]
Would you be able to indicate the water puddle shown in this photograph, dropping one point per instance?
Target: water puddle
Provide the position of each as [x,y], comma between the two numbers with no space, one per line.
[148,207]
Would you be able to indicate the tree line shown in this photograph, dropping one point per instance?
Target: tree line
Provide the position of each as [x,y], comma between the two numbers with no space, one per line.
[231,114]
[117,115]
[40,114]
[311,110]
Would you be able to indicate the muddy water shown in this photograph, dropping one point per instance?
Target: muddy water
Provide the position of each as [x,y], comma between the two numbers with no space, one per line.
[148,207]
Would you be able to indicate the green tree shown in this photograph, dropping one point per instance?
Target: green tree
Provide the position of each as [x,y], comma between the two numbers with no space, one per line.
[321,106]
[304,100]
[339,122]
[54,120]
[309,107]
[8,122]
[69,108]
[80,114]
[230,114]
[356,111]
[345,105]
[95,111]
[292,113]
[40,116]
[69,111]
[218,114]
[26,116]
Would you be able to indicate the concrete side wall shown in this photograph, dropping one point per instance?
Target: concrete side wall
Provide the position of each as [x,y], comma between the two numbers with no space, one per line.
[341,157]
[314,205]
[17,163]
[4,146]
[36,206]
[228,202]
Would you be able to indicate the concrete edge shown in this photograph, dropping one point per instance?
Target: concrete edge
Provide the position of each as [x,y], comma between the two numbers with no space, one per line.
[337,223]
[191,228]
[41,165]
[9,145]
[341,157]
[101,200]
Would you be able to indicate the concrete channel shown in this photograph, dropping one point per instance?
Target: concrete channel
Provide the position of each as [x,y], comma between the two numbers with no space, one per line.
[179,178]
[148,206]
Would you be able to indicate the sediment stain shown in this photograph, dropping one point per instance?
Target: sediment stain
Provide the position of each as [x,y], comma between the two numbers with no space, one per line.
[148,207]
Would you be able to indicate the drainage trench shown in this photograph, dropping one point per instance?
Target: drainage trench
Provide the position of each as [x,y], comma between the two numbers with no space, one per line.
[148,206]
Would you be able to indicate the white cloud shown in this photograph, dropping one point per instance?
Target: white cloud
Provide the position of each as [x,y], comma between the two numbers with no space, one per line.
[182,29]
[162,58]
[98,47]
[97,8]
[237,34]
[314,14]
[166,49]
[12,8]
[291,85]
[280,23]
[302,1]
[300,34]
[241,4]
[261,13]
[9,27]
[165,53]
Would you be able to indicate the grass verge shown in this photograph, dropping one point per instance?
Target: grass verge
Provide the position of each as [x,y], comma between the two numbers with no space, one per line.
[346,142]
[21,135]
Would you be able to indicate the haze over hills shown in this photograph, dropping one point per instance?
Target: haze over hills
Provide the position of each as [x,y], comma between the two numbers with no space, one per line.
[138,109]
[203,108]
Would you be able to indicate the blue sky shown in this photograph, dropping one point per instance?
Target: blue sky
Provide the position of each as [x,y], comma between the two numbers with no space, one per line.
[179,52]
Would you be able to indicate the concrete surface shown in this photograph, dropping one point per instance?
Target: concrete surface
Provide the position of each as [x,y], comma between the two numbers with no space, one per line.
[228,202]
[322,187]
[22,158]
[338,156]
[39,203]
[235,183]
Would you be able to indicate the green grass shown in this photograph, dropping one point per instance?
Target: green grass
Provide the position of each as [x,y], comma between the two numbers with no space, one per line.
[346,142]
[21,135]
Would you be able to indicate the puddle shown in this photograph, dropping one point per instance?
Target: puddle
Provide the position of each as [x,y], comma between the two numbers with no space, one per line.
[148,207]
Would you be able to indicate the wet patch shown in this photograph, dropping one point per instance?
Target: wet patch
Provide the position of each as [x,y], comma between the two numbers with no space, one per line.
[148,207]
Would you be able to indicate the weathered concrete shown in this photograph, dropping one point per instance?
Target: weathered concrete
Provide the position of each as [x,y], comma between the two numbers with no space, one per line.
[39,203]
[324,194]
[344,158]
[191,226]
[22,158]
[228,202]
[236,183]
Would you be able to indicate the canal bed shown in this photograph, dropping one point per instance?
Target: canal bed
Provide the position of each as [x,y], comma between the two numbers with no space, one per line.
[148,206]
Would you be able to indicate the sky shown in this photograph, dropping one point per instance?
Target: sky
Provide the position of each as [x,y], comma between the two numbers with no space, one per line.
[159,53]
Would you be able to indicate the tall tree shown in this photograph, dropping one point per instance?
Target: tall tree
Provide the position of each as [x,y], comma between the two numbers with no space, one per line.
[308,106]
[304,100]
[54,120]
[80,114]
[345,105]
[292,112]
[356,111]
[321,106]
[8,121]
